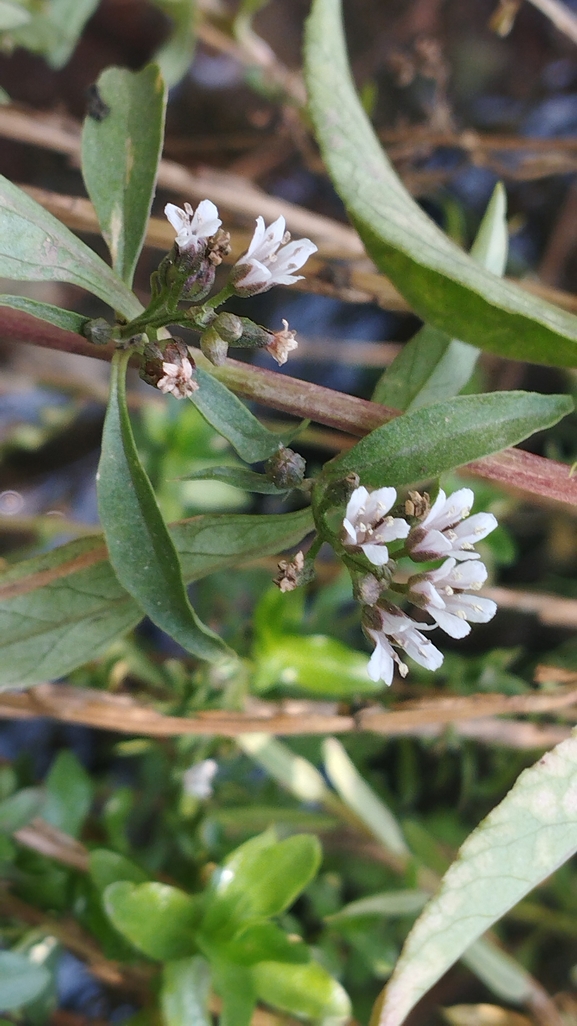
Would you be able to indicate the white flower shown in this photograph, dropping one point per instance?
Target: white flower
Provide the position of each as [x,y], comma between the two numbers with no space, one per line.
[443,533]
[178,379]
[270,259]
[197,780]
[398,629]
[367,526]
[193,228]
[282,344]
[442,593]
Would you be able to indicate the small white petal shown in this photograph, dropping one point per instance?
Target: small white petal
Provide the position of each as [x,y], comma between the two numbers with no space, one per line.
[378,555]
[381,664]
[453,625]
[393,528]
[356,502]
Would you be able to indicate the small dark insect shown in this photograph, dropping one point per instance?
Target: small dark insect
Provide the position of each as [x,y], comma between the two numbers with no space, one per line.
[96,108]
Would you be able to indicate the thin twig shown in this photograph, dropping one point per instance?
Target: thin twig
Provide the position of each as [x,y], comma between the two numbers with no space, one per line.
[123,714]
[543,481]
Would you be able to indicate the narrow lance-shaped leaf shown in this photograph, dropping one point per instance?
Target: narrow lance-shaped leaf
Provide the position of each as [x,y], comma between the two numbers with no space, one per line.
[441,283]
[35,246]
[66,606]
[437,438]
[120,155]
[522,841]
[232,419]
[434,366]
[175,55]
[65,319]
[141,550]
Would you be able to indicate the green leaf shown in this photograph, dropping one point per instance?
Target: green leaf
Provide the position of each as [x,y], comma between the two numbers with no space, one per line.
[66,606]
[21,981]
[35,246]
[388,904]
[12,15]
[357,794]
[65,319]
[260,942]
[120,156]
[261,878]
[140,547]
[175,55]
[107,867]
[433,366]
[225,412]
[442,284]
[17,810]
[185,991]
[292,771]
[238,477]
[55,28]
[316,663]
[307,991]
[431,440]
[235,985]
[159,920]
[69,794]
[522,841]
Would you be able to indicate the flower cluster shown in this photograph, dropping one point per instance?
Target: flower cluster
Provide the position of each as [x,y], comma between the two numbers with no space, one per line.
[188,273]
[444,531]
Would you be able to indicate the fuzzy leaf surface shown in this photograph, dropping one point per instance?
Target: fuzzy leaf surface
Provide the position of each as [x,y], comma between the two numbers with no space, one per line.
[441,283]
[65,319]
[120,155]
[35,246]
[228,415]
[64,607]
[434,366]
[522,841]
[431,440]
[140,547]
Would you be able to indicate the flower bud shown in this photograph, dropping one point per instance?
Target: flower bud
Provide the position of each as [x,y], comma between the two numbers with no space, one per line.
[367,589]
[198,285]
[285,468]
[229,327]
[98,331]
[214,347]
[253,336]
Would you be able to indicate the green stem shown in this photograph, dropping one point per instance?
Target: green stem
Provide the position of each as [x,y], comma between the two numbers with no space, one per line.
[220,298]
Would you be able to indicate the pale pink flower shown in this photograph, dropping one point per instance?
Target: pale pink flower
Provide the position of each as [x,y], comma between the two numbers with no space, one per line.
[367,525]
[396,628]
[447,529]
[270,259]
[193,227]
[443,594]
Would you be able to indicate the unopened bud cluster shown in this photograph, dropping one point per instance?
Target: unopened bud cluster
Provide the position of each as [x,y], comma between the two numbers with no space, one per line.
[447,594]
